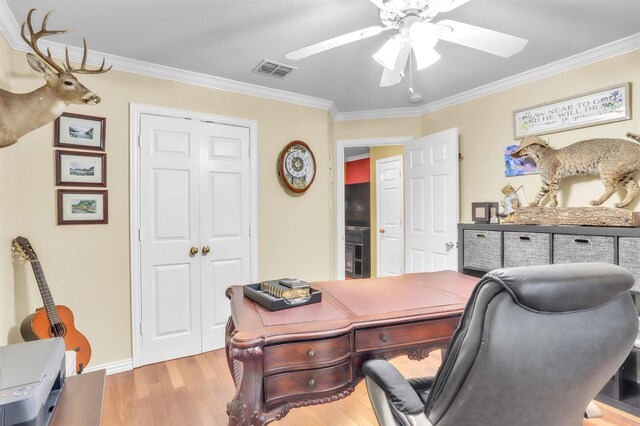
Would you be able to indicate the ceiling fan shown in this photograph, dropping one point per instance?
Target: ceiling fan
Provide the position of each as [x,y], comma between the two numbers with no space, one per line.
[416,32]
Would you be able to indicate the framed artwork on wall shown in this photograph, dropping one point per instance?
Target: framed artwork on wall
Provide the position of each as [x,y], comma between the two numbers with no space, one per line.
[588,109]
[81,168]
[79,131]
[77,206]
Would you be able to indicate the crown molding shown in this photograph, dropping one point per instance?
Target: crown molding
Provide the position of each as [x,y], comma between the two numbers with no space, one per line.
[605,51]
[11,30]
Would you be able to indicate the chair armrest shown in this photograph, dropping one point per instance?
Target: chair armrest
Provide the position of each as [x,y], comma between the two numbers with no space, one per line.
[397,389]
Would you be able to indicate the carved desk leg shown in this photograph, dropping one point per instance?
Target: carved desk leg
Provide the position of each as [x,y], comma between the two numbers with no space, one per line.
[230,330]
[246,408]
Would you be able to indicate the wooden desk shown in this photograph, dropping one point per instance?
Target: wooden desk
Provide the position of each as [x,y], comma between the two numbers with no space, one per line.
[81,400]
[313,354]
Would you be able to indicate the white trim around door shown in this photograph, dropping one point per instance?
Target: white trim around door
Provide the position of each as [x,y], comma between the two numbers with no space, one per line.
[340,146]
[135,112]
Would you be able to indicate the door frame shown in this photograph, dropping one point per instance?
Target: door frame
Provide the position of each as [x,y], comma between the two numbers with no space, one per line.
[378,192]
[135,112]
[341,144]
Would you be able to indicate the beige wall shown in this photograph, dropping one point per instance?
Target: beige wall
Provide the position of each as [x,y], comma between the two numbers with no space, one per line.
[87,266]
[7,173]
[486,128]
[379,128]
[378,153]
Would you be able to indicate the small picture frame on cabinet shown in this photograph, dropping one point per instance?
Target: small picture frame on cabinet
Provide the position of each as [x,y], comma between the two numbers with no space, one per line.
[484,212]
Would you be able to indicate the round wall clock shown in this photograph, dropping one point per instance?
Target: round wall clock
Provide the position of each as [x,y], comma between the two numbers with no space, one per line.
[297,166]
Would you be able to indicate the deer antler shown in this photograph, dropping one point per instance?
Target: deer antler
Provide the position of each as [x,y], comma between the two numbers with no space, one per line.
[33,43]
[35,36]
[82,69]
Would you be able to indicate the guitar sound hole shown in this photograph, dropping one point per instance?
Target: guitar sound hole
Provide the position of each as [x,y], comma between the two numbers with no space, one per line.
[58,330]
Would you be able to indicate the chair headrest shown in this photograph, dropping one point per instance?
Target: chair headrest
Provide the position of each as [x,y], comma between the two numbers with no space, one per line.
[564,287]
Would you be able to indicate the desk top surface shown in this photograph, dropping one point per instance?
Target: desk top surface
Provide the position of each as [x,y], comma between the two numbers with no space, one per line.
[351,304]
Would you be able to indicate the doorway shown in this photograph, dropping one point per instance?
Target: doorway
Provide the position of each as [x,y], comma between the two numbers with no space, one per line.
[431,199]
[195,217]
[353,146]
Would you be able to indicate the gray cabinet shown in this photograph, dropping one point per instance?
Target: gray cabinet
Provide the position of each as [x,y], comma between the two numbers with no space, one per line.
[484,247]
[526,249]
[629,257]
[572,248]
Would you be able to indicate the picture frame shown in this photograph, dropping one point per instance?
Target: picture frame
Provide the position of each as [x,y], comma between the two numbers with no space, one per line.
[600,106]
[79,131]
[518,166]
[484,212]
[81,168]
[82,207]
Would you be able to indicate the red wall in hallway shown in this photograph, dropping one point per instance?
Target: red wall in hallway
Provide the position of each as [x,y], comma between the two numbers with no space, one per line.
[357,171]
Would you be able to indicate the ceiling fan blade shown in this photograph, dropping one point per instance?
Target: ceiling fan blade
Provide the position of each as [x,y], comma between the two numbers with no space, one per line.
[451,4]
[479,38]
[389,77]
[394,76]
[331,43]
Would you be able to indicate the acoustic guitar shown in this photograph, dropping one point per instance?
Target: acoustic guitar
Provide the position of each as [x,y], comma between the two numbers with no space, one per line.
[52,320]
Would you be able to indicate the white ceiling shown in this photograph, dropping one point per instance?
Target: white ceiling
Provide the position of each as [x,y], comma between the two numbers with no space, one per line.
[228,38]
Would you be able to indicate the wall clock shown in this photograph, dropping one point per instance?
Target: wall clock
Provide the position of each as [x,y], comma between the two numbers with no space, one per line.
[297,166]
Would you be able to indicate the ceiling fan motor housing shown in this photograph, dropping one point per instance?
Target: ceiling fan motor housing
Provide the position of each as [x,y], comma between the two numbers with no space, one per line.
[396,10]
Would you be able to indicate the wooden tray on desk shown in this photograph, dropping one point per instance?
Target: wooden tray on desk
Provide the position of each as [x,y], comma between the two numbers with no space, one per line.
[253,292]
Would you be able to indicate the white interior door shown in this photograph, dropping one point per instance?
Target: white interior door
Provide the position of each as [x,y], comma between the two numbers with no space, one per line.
[194,193]
[431,202]
[169,209]
[225,217]
[390,214]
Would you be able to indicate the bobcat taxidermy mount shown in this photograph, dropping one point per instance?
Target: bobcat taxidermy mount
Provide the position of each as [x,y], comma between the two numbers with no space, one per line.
[614,160]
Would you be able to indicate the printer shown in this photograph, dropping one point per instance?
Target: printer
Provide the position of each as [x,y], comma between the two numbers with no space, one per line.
[31,379]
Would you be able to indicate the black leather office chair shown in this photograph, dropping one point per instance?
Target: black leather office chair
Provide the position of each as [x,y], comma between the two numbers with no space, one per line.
[534,347]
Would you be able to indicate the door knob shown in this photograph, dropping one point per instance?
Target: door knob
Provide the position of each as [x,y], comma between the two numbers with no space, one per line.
[194,250]
[449,245]
[382,230]
[205,250]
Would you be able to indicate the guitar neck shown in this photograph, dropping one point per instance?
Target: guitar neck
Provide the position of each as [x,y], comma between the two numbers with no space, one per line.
[47,299]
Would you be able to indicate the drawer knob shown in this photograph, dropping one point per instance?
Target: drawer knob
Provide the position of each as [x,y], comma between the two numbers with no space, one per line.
[312,382]
[311,353]
[384,338]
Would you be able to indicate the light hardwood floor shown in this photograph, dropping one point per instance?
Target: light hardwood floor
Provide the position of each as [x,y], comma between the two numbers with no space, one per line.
[194,391]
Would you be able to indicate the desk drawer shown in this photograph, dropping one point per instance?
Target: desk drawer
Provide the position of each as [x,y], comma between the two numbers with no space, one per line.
[294,356]
[399,335]
[302,383]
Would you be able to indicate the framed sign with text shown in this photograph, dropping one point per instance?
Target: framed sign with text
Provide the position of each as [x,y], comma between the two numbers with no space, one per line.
[598,107]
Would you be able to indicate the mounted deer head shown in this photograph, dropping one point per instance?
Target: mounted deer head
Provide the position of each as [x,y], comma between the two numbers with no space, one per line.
[20,113]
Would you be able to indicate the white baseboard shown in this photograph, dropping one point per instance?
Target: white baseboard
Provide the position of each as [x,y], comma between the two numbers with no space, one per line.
[112,367]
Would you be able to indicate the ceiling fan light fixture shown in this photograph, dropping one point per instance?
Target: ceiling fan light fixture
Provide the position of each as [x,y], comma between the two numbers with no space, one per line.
[425,56]
[388,53]
[424,37]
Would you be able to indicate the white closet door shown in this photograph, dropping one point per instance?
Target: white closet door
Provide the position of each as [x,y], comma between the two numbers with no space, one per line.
[169,209]
[224,223]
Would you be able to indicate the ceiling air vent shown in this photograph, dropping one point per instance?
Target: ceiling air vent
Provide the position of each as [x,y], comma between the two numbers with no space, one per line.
[273,69]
